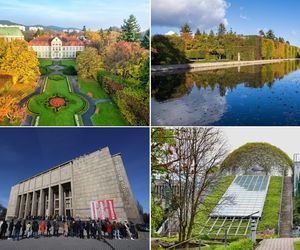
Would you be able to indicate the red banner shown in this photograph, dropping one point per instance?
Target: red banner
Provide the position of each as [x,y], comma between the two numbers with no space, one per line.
[103,209]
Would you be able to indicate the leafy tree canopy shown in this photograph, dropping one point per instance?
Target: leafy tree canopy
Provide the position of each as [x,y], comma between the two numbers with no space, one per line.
[253,157]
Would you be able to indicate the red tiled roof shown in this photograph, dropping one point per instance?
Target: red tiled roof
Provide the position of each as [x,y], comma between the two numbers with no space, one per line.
[46,41]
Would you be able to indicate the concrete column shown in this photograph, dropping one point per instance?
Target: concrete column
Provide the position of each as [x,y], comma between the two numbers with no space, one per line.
[33,204]
[27,205]
[50,201]
[17,206]
[61,200]
[21,211]
[41,207]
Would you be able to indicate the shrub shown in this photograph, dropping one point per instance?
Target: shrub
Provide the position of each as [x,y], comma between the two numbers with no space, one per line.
[238,245]
[70,70]
[57,77]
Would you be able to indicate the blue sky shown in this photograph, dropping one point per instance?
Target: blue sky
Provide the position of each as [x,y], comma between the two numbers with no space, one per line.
[26,152]
[75,13]
[243,16]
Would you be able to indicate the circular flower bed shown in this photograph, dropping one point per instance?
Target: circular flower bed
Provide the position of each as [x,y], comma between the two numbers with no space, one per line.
[57,102]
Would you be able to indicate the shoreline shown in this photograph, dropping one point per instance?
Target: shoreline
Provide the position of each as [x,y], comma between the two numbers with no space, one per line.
[213,65]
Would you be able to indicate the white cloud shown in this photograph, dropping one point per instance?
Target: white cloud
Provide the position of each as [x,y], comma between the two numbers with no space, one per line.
[203,14]
[244,17]
[170,33]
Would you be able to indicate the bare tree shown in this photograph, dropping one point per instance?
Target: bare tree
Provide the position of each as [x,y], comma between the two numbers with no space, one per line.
[198,153]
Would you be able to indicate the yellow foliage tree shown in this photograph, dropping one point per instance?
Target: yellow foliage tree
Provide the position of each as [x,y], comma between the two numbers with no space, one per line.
[88,63]
[20,62]
[92,35]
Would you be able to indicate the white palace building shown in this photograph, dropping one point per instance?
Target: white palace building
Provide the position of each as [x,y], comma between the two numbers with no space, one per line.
[56,47]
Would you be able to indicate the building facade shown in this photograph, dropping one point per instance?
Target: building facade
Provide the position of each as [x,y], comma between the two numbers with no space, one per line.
[11,33]
[56,47]
[69,188]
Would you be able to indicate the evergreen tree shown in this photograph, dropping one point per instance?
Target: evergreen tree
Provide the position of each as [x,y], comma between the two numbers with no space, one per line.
[38,33]
[84,29]
[145,42]
[221,29]
[261,33]
[270,34]
[211,34]
[186,29]
[198,32]
[130,30]
[281,39]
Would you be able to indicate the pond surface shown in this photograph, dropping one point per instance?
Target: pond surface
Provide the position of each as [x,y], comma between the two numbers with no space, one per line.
[251,95]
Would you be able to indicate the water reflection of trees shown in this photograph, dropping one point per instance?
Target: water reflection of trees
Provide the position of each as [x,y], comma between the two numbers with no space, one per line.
[175,86]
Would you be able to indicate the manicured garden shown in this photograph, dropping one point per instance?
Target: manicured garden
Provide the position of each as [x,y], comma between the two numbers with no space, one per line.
[57,106]
[108,114]
[92,88]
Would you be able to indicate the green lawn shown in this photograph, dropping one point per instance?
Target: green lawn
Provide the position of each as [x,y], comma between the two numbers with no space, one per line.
[109,115]
[91,86]
[68,62]
[45,62]
[48,115]
[297,245]
[270,214]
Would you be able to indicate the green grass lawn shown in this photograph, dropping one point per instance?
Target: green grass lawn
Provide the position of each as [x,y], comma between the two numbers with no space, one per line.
[45,62]
[91,86]
[63,117]
[109,115]
[296,245]
[270,214]
[68,62]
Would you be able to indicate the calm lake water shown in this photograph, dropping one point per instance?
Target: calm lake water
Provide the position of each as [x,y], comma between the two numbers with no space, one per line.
[252,95]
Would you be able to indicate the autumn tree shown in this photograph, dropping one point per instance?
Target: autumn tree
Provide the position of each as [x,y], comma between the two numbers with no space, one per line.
[88,63]
[92,35]
[10,110]
[192,170]
[124,58]
[130,30]
[21,62]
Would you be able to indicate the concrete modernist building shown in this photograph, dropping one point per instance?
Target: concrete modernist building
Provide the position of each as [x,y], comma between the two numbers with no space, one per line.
[69,188]
[11,33]
[56,47]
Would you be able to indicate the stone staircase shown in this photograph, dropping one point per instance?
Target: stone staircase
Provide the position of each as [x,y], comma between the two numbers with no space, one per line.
[285,229]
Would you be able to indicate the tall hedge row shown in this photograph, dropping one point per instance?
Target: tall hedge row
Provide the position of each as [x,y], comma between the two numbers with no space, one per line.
[182,49]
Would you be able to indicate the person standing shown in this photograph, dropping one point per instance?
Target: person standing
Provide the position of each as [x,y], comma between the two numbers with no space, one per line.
[23,228]
[11,228]
[109,230]
[128,230]
[42,228]
[3,230]
[48,228]
[66,229]
[17,230]
[99,229]
[35,229]
[88,228]
[29,229]
[81,226]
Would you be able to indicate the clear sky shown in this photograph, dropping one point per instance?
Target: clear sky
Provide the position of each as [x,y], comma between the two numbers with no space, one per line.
[95,14]
[243,16]
[26,152]
[285,138]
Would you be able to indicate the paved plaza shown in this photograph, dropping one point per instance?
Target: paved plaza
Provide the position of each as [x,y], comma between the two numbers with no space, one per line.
[64,243]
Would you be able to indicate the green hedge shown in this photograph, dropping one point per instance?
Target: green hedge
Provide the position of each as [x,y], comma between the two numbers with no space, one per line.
[238,245]
[70,70]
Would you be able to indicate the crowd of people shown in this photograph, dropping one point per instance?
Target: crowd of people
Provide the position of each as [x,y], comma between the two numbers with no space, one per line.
[95,229]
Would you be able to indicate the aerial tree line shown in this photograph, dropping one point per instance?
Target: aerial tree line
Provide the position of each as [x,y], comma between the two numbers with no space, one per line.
[222,45]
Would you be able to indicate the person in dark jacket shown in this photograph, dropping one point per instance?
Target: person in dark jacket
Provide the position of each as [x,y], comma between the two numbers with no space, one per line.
[93,229]
[35,229]
[55,228]
[17,230]
[99,229]
[23,228]
[81,227]
[133,230]
[88,228]
[48,228]
[3,230]
[11,228]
